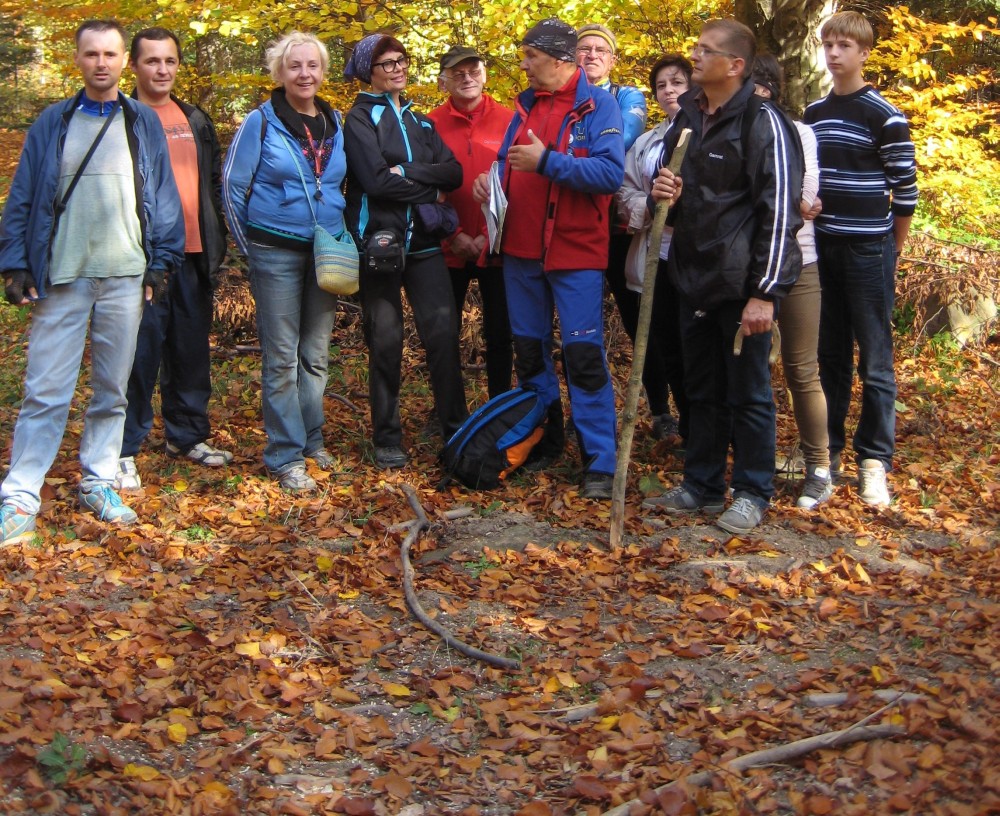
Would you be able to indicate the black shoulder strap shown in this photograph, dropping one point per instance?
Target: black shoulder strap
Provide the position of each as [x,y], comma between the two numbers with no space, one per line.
[86,160]
[614,88]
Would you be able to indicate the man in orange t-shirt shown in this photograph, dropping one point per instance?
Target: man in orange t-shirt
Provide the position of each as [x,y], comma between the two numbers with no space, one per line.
[173,335]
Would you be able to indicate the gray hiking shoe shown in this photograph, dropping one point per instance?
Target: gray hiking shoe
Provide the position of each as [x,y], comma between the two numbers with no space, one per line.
[296,480]
[742,516]
[682,500]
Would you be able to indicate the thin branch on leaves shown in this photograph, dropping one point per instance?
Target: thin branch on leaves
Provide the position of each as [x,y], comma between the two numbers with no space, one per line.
[413,602]
[838,698]
[770,756]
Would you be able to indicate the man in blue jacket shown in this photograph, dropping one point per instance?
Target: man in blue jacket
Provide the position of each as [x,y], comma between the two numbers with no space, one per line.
[562,159]
[732,258]
[91,226]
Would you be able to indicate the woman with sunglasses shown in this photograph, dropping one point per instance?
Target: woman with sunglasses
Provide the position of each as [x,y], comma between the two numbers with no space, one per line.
[398,170]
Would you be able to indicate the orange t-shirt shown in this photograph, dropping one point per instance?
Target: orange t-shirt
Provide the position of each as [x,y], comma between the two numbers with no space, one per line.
[184,161]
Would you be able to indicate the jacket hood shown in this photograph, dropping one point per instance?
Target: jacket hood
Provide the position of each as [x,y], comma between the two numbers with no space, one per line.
[291,118]
[527,98]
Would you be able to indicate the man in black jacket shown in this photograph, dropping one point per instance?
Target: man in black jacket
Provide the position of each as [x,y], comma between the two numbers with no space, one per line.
[732,258]
[173,335]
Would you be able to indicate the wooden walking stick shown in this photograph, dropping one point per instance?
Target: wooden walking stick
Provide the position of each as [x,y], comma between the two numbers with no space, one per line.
[639,351]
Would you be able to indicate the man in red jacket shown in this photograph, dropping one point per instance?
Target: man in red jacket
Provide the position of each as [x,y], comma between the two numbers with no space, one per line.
[473,124]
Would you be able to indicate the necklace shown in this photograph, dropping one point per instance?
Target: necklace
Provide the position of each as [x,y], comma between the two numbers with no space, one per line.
[315,153]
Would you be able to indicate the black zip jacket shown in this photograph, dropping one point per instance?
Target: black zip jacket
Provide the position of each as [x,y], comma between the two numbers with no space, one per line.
[378,137]
[737,215]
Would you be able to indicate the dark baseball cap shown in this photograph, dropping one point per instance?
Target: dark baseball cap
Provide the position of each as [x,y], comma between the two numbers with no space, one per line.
[457,54]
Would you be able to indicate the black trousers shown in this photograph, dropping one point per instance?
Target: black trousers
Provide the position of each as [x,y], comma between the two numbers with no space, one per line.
[428,289]
[173,346]
[496,322]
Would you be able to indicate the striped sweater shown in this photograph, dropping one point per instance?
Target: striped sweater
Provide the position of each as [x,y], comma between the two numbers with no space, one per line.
[867,167]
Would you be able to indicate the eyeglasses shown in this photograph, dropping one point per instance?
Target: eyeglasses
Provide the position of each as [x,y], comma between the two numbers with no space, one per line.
[700,51]
[597,50]
[391,65]
[461,76]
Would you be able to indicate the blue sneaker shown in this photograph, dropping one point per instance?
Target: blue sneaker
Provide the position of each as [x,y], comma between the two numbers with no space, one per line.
[107,505]
[15,525]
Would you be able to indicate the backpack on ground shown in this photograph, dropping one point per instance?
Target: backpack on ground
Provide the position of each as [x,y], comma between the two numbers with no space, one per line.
[495,440]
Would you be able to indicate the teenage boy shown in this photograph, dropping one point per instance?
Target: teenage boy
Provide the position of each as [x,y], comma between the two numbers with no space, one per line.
[869,191]
[173,334]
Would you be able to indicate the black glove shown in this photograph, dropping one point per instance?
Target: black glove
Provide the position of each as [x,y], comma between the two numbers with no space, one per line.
[17,282]
[157,279]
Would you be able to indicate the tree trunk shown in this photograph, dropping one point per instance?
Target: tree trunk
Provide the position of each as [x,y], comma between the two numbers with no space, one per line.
[789,29]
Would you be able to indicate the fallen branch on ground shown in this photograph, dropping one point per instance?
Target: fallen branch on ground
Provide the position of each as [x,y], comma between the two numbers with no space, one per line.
[770,756]
[836,698]
[422,523]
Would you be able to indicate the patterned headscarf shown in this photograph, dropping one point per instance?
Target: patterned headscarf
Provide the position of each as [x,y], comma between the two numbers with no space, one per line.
[359,66]
[554,37]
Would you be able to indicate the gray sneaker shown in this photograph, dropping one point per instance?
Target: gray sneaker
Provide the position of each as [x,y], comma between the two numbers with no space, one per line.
[202,453]
[107,505]
[296,480]
[323,458]
[818,487]
[682,500]
[741,517]
[127,478]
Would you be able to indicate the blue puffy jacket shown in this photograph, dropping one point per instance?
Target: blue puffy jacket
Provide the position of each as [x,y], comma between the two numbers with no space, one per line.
[632,104]
[277,202]
[26,230]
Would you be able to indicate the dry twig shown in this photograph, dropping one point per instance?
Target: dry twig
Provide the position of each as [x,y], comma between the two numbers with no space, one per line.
[769,756]
[413,602]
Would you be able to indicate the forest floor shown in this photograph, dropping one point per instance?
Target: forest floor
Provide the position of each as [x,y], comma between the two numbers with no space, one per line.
[245,651]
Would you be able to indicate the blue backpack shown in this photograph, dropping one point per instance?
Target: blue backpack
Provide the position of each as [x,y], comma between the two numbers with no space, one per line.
[495,440]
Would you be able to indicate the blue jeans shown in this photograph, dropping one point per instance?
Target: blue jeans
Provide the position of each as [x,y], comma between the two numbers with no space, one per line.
[729,400]
[173,345]
[858,289]
[111,307]
[295,319]
[578,295]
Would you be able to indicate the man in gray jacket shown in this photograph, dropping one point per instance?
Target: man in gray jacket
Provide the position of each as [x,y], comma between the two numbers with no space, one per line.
[173,335]
[91,225]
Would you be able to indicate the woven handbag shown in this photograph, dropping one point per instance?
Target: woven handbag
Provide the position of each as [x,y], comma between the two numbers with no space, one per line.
[336,257]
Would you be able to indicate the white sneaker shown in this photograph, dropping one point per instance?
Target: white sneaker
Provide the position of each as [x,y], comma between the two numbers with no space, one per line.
[127,477]
[872,486]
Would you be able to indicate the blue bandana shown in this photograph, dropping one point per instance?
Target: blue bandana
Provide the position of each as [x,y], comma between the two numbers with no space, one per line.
[359,66]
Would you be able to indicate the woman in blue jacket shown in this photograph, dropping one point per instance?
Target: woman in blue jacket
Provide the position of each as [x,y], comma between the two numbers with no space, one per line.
[282,174]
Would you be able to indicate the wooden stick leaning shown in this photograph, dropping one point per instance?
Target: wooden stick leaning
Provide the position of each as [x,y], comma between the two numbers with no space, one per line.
[413,602]
[639,352]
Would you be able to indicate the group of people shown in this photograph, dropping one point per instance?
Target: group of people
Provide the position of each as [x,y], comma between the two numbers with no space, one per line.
[134,255]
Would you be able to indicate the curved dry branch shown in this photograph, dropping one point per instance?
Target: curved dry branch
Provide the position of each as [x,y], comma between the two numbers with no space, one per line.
[769,756]
[413,602]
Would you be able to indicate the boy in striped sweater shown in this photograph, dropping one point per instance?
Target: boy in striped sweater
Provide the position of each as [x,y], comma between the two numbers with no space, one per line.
[869,192]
